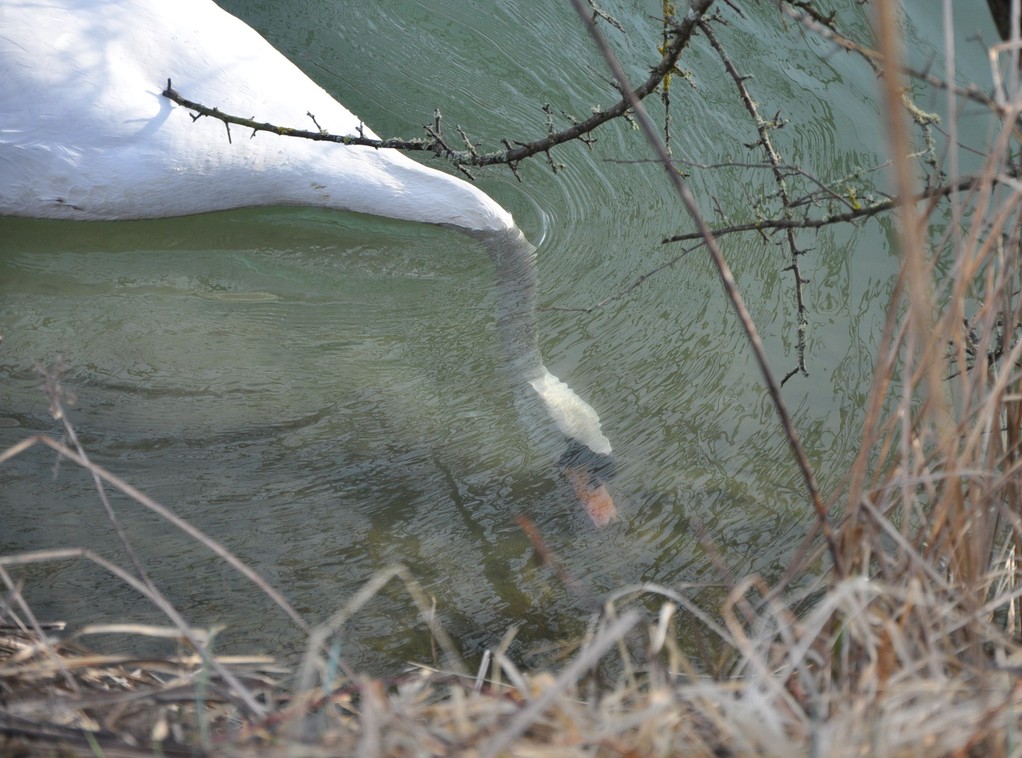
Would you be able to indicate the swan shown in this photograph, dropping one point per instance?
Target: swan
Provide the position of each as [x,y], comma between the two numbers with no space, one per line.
[86,134]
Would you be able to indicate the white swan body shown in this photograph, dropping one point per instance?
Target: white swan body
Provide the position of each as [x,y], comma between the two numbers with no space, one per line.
[91,137]
[86,134]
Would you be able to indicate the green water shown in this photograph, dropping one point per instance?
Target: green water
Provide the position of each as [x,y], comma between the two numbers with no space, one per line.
[322,392]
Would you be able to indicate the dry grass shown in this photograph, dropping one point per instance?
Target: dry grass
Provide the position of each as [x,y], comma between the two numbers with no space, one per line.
[908,645]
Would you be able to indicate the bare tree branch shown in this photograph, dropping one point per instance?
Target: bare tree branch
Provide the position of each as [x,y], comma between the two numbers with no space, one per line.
[680,35]
[856,214]
[728,281]
[764,127]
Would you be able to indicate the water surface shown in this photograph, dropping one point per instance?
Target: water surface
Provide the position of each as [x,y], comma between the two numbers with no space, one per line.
[322,392]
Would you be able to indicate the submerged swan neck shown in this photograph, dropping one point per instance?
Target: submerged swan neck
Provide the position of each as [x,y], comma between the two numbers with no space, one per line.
[550,411]
[514,258]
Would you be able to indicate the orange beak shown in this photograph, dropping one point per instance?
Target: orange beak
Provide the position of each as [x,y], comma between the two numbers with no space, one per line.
[592,493]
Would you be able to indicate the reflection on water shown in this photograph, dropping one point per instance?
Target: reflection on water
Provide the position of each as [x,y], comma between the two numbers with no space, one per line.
[325,393]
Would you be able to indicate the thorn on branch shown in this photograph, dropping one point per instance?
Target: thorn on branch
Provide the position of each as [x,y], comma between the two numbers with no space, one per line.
[314,121]
[810,10]
[513,165]
[468,143]
[549,118]
[599,13]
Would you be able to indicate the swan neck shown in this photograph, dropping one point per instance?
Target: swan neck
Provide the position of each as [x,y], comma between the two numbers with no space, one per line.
[548,408]
[514,258]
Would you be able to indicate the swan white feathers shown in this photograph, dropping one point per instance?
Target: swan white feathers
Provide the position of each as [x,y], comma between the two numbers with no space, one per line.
[587,462]
[573,416]
[86,134]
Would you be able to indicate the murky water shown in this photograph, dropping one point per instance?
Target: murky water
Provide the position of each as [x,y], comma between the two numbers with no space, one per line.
[323,393]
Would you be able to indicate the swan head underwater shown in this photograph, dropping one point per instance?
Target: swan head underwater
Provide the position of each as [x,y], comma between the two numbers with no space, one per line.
[86,134]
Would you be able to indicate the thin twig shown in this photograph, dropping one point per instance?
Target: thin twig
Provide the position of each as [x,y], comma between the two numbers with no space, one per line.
[253,706]
[727,278]
[143,499]
[54,393]
[587,659]
[764,127]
